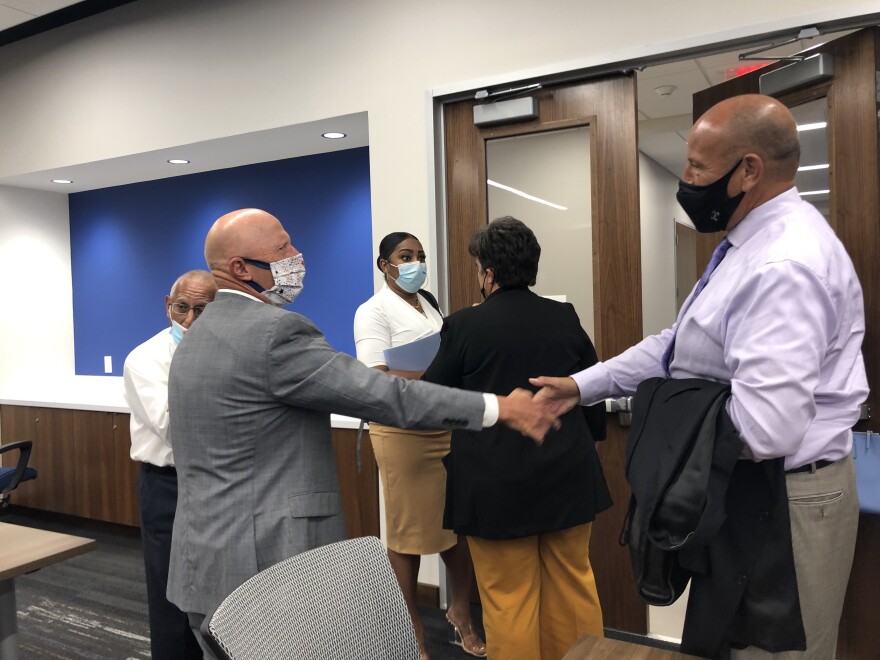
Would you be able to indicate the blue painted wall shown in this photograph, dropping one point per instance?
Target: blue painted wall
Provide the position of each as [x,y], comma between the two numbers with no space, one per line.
[129,243]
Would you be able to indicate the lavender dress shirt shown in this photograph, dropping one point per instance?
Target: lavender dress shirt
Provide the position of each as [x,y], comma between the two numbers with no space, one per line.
[782,320]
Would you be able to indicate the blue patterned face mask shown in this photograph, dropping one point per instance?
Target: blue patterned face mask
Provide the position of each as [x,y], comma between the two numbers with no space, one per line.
[177,331]
[411,276]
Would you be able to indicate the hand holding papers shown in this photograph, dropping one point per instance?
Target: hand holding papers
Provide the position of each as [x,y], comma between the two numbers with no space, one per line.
[414,356]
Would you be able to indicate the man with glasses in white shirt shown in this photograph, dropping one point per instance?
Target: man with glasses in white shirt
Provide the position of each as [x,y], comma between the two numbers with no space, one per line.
[145,376]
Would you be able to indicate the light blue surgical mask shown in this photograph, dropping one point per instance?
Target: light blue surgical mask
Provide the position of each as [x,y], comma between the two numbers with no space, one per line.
[411,276]
[177,331]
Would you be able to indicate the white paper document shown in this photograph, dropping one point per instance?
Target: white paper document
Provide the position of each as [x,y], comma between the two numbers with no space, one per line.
[414,356]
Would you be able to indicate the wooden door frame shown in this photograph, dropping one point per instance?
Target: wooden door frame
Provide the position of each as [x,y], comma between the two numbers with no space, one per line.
[608,106]
[855,215]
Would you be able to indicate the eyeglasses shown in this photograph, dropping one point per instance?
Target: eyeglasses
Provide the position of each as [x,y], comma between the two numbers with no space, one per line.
[182,309]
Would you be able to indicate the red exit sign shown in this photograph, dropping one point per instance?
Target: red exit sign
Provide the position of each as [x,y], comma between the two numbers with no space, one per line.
[737,71]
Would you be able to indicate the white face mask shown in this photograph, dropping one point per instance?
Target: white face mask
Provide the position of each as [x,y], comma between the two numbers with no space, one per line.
[288,275]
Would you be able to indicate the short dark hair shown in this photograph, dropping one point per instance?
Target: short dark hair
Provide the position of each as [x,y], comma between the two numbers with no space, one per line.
[510,249]
[387,245]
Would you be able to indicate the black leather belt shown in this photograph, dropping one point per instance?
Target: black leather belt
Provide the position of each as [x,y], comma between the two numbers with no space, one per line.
[810,467]
[167,470]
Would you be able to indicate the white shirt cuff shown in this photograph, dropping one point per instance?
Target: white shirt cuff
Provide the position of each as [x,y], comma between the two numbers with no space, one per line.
[490,411]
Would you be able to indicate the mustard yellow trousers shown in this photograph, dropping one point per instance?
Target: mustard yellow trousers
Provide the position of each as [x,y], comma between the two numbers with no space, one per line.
[538,593]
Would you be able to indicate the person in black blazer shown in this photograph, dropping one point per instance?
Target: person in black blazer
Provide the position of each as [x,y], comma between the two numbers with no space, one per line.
[526,509]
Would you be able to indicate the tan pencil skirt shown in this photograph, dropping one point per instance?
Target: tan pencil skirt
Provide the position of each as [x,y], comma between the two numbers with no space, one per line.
[414,488]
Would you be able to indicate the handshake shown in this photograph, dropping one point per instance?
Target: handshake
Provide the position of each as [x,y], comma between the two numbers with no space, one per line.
[534,415]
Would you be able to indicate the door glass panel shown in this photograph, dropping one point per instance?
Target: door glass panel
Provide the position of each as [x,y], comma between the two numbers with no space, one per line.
[813,180]
[543,179]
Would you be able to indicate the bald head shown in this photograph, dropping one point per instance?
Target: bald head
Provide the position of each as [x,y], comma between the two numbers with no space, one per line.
[750,145]
[753,123]
[246,234]
[189,295]
[200,279]
[241,233]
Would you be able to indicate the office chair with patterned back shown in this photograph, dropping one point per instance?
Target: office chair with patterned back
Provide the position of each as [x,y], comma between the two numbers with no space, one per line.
[10,477]
[338,601]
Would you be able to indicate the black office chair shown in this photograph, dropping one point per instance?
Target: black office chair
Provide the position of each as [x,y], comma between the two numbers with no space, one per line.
[10,477]
[341,600]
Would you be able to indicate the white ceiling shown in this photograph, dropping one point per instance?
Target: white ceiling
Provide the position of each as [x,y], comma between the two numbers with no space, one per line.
[16,12]
[665,120]
[259,147]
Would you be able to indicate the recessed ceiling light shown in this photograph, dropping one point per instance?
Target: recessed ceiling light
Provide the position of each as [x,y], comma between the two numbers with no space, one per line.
[814,192]
[333,136]
[807,168]
[61,181]
[178,161]
[812,127]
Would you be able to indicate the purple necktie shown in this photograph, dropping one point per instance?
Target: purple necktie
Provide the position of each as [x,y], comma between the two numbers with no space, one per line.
[717,256]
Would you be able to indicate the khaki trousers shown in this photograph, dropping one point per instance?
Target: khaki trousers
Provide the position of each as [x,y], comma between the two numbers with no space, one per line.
[538,593]
[824,511]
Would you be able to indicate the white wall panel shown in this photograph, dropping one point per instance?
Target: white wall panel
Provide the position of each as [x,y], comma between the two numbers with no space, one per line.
[36,326]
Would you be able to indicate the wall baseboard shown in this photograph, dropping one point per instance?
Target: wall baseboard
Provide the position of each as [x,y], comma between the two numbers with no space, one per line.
[643,640]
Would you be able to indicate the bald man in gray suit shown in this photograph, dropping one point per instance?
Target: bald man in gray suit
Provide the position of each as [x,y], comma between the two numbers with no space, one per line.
[251,389]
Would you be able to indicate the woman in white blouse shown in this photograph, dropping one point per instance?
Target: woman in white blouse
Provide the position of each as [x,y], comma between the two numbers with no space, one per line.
[410,462]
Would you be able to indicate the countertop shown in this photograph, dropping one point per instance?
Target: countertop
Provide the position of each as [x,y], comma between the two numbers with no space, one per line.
[102,393]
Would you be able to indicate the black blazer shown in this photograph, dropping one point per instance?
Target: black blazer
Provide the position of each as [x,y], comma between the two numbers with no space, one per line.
[500,485]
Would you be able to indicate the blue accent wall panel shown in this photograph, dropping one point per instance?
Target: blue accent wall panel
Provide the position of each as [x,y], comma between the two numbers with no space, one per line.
[129,243]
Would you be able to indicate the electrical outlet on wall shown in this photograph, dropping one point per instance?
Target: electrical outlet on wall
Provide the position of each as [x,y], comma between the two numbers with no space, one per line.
[108,364]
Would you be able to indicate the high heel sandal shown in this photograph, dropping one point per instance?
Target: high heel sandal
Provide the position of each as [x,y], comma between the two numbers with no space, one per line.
[478,649]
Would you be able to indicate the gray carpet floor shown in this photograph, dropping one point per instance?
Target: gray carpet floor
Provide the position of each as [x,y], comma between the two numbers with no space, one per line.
[95,606]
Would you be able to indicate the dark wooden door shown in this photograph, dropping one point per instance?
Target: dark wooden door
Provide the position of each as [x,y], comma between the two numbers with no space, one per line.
[851,97]
[608,106]
[686,274]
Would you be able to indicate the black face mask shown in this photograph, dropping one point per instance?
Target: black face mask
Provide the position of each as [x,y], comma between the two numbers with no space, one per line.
[483,288]
[709,207]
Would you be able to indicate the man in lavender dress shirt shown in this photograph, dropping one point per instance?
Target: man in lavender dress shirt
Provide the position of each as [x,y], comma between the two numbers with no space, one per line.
[782,320]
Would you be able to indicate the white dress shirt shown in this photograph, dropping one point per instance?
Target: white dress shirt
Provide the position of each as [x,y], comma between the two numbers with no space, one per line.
[386,321]
[145,376]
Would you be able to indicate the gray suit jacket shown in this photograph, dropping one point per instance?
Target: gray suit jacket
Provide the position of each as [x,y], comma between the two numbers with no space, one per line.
[251,389]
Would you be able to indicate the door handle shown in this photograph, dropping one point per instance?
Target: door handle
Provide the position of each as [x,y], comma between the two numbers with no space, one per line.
[623,407]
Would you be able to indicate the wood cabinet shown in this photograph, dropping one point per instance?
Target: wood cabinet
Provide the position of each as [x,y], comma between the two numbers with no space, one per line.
[358,487]
[51,431]
[94,456]
[126,471]
[106,482]
[84,468]
[82,461]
